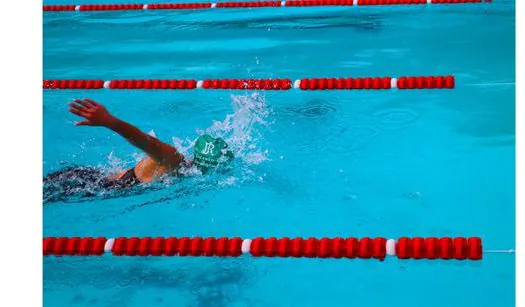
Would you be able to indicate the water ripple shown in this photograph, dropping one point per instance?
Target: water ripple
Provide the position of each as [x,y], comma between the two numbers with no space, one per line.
[314,109]
[356,137]
[394,119]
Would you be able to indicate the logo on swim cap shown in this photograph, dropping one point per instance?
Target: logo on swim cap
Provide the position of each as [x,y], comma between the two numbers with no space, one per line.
[209,152]
[208,149]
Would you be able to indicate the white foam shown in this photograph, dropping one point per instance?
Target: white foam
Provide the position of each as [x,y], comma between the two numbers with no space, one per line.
[228,181]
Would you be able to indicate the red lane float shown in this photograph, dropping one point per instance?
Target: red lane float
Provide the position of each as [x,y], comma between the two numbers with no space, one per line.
[73,84]
[458,248]
[306,84]
[110,7]
[59,8]
[248,4]
[245,4]
[177,6]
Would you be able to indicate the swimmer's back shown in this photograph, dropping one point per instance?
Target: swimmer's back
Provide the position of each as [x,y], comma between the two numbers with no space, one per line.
[147,170]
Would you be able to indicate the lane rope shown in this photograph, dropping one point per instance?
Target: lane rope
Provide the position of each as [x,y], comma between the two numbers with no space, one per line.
[246,4]
[365,83]
[430,248]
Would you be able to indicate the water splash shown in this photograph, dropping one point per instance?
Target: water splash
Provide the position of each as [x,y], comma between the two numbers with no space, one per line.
[240,129]
[115,164]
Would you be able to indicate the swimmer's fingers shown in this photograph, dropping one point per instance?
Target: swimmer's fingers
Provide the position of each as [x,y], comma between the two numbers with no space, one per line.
[92,102]
[77,107]
[83,103]
[79,112]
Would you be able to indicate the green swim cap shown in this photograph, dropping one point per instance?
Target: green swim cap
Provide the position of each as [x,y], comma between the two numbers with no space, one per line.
[209,152]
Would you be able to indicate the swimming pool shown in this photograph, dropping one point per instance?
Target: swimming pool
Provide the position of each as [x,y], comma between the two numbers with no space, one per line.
[317,163]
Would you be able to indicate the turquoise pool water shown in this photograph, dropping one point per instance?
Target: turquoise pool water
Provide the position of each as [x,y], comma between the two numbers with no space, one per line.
[330,163]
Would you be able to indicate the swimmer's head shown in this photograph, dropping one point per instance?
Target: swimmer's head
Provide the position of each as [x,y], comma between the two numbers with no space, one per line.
[210,152]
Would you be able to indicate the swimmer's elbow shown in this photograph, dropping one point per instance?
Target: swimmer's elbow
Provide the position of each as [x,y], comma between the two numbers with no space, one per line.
[172,159]
[166,155]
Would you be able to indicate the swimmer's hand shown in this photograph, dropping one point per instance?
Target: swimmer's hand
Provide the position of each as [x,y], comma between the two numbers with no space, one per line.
[94,113]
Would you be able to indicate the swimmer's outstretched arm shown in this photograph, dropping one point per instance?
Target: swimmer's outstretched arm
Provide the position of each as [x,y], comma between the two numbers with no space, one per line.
[95,114]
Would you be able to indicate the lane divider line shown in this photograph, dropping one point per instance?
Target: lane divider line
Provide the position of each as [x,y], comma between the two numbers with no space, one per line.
[305,84]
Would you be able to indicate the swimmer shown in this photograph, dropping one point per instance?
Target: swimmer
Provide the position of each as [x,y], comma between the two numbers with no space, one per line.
[161,159]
